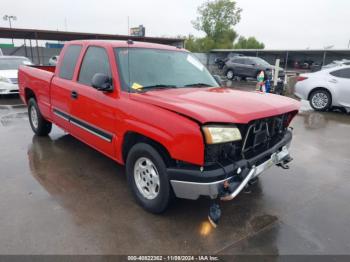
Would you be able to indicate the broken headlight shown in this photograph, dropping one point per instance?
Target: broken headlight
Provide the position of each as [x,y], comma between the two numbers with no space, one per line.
[221,134]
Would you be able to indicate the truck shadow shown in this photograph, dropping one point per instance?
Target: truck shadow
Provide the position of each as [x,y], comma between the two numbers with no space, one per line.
[94,191]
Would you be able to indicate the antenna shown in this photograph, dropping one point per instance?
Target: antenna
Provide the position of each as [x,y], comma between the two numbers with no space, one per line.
[128,25]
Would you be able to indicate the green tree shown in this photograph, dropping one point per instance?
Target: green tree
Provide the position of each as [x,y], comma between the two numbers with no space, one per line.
[217,19]
[199,45]
[250,43]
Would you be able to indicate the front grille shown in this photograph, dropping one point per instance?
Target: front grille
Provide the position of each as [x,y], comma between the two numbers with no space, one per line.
[262,132]
[14,80]
[258,136]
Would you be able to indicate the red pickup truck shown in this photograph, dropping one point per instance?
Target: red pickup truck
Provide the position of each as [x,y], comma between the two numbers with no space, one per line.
[157,110]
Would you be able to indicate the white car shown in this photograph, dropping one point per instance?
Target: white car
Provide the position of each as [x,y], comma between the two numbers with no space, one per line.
[53,60]
[8,73]
[336,63]
[325,89]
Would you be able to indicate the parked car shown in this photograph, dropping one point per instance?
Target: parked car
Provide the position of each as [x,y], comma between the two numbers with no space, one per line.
[246,66]
[336,63]
[325,89]
[53,60]
[8,73]
[315,67]
[220,63]
[157,110]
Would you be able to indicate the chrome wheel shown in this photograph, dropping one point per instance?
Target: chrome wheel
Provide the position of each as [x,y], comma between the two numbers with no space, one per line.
[146,178]
[320,100]
[34,117]
[229,74]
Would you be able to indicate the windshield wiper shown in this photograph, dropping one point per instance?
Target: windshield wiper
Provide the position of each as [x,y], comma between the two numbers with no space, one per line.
[198,84]
[157,86]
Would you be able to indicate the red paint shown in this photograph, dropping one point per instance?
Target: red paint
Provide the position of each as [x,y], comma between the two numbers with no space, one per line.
[301,78]
[46,68]
[171,117]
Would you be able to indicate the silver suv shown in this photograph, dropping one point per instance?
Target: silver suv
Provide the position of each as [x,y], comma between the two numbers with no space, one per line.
[246,66]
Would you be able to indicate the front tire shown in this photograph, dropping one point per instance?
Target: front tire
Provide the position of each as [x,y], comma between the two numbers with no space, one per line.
[38,123]
[148,179]
[320,100]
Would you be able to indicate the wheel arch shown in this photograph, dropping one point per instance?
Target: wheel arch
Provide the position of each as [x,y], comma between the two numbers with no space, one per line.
[132,138]
[229,69]
[28,94]
[320,88]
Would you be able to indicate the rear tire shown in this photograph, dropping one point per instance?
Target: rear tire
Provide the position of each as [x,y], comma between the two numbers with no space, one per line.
[38,123]
[230,74]
[148,179]
[320,100]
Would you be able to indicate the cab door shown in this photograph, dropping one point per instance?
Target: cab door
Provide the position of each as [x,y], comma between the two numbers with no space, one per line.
[93,115]
[339,81]
[61,87]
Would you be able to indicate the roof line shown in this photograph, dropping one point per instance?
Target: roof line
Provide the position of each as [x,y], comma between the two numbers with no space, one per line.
[279,50]
[20,33]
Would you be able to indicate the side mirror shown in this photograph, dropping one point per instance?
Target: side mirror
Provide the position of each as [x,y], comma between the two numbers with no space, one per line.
[218,80]
[102,82]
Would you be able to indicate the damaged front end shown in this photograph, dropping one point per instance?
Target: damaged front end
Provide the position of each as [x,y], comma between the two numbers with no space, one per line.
[229,167]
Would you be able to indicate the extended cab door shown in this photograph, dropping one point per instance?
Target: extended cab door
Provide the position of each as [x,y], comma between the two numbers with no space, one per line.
[61,86]
[93,111]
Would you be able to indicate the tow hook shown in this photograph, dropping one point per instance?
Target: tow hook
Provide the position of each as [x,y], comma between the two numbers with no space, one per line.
[284,163]
[214,214]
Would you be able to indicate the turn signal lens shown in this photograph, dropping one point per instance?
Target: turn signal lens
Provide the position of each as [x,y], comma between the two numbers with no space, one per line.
[301,78]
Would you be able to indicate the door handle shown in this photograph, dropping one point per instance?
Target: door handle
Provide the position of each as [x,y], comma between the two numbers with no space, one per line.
[74,94]
[333,81]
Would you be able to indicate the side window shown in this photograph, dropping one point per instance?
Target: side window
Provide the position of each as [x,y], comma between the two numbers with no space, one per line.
[343,73]
[238,61]
[95,61]
[249,61]
[69,61]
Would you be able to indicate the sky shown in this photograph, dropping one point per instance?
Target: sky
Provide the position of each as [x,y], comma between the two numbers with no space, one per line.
[279,24]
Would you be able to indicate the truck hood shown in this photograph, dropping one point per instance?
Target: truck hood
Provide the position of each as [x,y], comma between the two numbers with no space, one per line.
[218,105]
[9,73]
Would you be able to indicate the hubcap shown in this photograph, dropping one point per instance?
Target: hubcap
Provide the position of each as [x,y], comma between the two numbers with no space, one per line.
[34,117]
[229,74]
[146,178]
[319,100]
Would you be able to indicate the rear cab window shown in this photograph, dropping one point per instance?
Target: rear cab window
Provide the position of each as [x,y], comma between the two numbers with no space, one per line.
[69,62]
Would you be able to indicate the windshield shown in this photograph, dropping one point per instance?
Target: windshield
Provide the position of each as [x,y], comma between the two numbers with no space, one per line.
[142,68]
[260,61]
[13,63]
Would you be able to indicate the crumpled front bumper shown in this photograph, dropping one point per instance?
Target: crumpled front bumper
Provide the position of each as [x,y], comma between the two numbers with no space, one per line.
[237,178]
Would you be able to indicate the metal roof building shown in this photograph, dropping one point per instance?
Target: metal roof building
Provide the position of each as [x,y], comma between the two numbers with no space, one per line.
[289,57]
[36,35]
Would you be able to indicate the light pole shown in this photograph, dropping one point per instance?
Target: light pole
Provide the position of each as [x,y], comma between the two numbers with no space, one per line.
[9,18]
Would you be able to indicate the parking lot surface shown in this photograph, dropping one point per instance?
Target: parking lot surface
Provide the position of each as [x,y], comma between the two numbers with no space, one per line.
[59,196]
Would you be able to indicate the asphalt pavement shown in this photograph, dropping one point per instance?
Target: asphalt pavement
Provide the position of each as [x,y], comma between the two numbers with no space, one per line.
[59,196]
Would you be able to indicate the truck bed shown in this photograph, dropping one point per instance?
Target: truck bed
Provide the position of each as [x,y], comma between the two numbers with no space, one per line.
[38,78]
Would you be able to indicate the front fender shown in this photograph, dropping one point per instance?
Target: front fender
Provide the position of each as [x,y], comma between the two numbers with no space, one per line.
[179,135]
